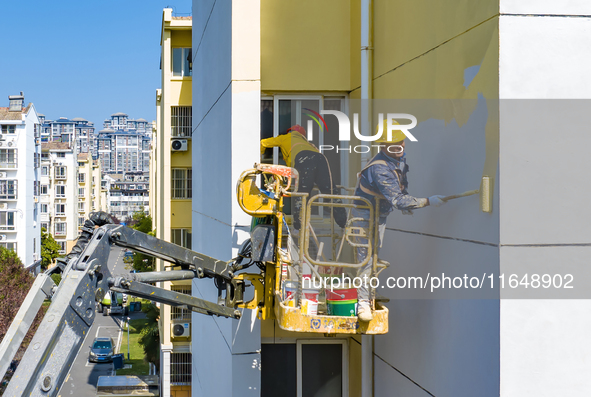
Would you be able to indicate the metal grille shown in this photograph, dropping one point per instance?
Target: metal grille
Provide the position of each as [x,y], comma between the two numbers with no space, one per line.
[181,183]
[8,189]
[181,121]
[180,313]
[180,369]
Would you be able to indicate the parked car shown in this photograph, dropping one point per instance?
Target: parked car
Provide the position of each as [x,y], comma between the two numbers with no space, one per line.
[101,350]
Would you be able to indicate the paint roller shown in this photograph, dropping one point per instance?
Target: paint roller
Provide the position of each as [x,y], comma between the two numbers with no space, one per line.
[485,198]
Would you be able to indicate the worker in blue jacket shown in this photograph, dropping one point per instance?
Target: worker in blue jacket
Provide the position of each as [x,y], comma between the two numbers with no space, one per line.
[384,177]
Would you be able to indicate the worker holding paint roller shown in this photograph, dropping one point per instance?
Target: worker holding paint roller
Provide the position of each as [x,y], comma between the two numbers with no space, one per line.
[384,177]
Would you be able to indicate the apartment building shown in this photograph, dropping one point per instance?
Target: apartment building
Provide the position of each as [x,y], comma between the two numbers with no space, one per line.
[59,187]
[171,192]
[127,193]
[20,156]
[123,145]
[77,131]
[90,192]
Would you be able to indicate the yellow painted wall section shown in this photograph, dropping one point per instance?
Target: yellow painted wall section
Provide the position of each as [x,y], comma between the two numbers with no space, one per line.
[305,45]
[181,93]
[181,159]
[181,38]
[180,391]
[405,29]
[355,43]
[440,74]
[180,214]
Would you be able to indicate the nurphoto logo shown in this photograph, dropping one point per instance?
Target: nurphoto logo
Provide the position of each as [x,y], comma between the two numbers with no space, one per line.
[394,122]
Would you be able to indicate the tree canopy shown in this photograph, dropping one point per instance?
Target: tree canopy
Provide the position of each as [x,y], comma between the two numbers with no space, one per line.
[49,249]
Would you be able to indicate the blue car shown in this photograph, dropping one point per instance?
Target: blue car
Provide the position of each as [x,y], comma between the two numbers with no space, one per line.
[101,350]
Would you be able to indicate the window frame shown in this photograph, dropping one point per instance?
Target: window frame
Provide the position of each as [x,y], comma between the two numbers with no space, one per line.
[324,341]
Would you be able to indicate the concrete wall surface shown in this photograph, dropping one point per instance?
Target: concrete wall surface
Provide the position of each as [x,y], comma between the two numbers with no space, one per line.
[226,125]
[544,82]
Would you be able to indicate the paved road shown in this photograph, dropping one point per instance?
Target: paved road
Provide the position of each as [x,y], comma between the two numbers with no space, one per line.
[83,377]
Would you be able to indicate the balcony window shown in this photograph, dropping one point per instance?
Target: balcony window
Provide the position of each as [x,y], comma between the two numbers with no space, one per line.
[8,246]
[181,183]
[60,191]
[60,230]
[60,210]
[82,178]
[180,312]
[181,121]
[8,190]
[180,369]
[7,221]
[60,172]
[8,158]
[44,170]
[8,129]
[181,62]
[81,192]
[44,189]
[181,237]
[81,206]
[44,208]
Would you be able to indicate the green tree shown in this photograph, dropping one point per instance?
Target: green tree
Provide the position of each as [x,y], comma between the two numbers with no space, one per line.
[143,223]
[49,249]
[15,282]
[150,335]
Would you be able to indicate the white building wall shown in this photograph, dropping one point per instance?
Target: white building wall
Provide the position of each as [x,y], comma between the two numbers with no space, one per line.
[28,233]
[544,55]
[226,128]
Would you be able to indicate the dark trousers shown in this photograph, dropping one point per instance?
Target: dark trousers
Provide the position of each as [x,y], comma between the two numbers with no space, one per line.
[314,170]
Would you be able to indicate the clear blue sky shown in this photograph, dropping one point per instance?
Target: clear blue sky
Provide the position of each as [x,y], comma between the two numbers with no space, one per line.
[84,58]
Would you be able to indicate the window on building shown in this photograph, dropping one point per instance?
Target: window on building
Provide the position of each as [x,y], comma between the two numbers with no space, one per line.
[81,192]
[181,237]
[8,189]
[308,368]
[60,209]
[62,154]
[36,190]
[45,225]
[62,244]
[7,220]
[44,189]
[44,170]
[44,208]
[181,121]
[60,230]
[8,129]
[181,62]
[80,221]
[81,206]
[8,158]
[82,178]
[180,312]
[60,172]
[8,246]
[180,369]
[181,183]
[60,191]
[292,110]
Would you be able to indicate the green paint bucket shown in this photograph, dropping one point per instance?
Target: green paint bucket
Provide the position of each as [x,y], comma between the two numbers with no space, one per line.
[346,308]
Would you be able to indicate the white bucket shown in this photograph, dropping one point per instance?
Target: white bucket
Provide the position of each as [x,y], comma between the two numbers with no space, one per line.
[309,297]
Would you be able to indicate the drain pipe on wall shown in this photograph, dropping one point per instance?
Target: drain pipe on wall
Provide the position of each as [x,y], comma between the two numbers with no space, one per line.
[366,111]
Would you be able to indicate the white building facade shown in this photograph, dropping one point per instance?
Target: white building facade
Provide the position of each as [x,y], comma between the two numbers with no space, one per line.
[59,193]
[20,155]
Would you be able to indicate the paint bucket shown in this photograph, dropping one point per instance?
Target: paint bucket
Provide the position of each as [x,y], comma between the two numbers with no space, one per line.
[341,294]
[309,297]
[346,308]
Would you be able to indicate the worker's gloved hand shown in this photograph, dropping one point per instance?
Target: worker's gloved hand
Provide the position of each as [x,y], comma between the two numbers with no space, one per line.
[436,200]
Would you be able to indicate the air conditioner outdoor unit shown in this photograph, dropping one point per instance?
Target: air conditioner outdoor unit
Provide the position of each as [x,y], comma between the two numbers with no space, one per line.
[2,174]
[3,206]
[2,237]
[180,330]
[179,145]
